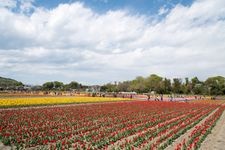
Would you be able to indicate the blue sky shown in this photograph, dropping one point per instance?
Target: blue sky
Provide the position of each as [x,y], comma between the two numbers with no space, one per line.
[100,41]
[138,6]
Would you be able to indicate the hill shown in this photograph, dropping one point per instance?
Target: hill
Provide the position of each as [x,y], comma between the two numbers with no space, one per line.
[9,83]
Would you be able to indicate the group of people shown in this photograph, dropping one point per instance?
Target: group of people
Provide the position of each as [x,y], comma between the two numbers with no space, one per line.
[156,97]
[170,97]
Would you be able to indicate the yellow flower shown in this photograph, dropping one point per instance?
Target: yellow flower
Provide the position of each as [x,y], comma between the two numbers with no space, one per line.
[7,102]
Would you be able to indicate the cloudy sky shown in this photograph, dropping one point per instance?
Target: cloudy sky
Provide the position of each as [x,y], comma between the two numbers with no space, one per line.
[99,41]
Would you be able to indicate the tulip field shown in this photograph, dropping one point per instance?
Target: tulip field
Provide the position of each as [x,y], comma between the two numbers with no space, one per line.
[35,101]
[119,125]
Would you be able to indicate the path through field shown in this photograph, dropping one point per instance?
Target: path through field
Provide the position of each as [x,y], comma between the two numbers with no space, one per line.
[3,147]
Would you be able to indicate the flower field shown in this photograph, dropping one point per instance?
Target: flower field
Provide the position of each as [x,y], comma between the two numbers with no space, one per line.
[31,101]
[119,125]
[197,136]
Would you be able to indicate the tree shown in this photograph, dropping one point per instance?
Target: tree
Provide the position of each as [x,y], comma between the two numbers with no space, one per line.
[195,80]
[56,85]
[167,87]
[216,85]
[187,86]
[48,86]
[213,85]
[198,89]
[123,86]
[196,86]
[138,85]
[177,82]
[109,87]
[74,85]
[154,83]
[19,84]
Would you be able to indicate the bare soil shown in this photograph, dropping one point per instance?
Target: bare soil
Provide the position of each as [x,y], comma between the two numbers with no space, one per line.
[3,147]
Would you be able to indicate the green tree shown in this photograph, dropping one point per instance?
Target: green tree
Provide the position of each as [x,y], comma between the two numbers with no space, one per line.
[109,87]
[138,85]
[58,85]
[167,87]
[154,83]
[74,85]
[123,86]
[48,86]
[187,86]
[197,86]
[177,83]
[216,85]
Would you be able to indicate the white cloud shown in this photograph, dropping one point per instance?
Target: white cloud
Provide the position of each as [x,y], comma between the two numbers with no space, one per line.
[26,5]
[163,10]
[8,3]
[73,42]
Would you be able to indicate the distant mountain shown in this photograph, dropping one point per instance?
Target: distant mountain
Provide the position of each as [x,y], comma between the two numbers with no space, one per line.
[7,82]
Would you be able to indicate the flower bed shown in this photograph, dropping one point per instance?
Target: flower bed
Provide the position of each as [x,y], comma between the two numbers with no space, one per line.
[34,101]
[119,125]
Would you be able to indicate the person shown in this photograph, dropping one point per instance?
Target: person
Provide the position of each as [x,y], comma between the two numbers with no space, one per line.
[161,97]
[149,97]
[156,99]
[171,98]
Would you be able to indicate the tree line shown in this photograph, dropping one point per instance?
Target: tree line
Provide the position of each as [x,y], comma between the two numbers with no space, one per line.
[56,85]
[154,83]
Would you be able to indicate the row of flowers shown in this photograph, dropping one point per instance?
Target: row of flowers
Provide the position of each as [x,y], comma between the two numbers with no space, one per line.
[120,125]
[12,102]
[161,136]
[200,132]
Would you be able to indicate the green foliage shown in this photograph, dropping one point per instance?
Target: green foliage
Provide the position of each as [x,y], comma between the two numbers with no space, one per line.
[109,88]
[56,85]
[167,87]
[152,83]
[138,85]
[216,85]
[212,86]
[74,85]
[177,84]
[48,86]
[6,83]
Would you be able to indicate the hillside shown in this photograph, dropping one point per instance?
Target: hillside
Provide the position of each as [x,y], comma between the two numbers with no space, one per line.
[7,82]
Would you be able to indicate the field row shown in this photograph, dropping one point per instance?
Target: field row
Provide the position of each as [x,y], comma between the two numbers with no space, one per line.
[121,125]
[33,101]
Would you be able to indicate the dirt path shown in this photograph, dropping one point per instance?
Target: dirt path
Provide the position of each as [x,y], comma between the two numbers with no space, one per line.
[216,140]
[3,147]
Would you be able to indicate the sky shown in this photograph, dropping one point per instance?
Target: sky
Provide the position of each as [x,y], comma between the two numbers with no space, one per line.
[101,41]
